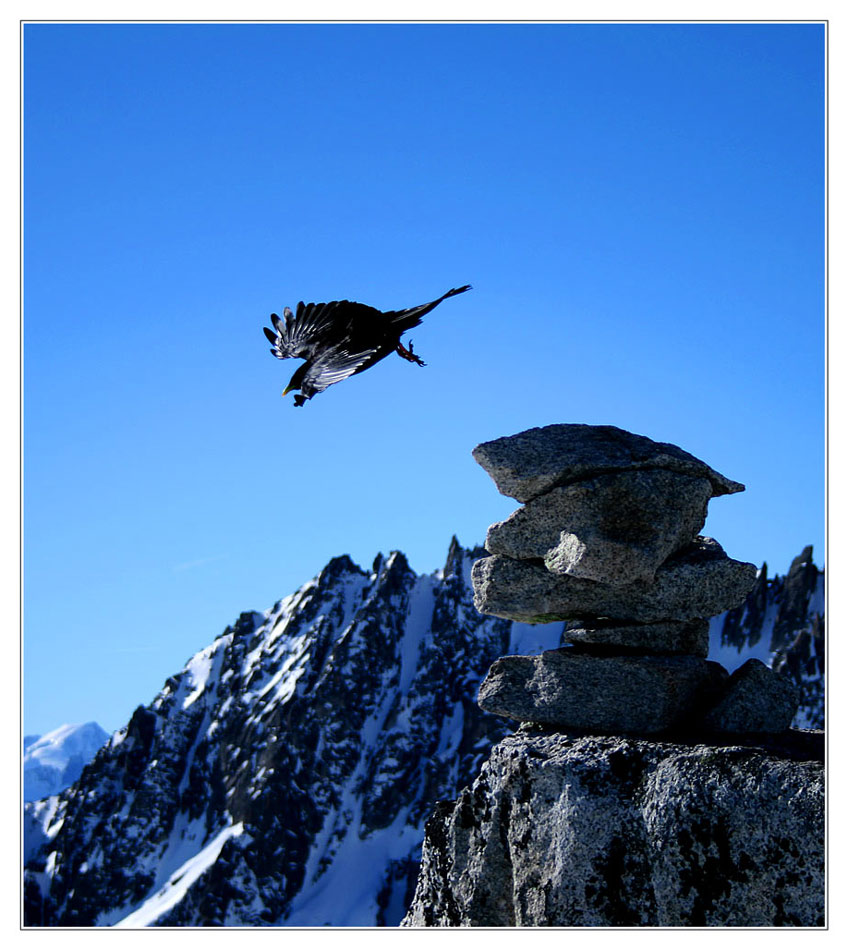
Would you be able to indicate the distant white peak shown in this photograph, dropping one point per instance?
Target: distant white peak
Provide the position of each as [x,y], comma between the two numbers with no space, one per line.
[54,761]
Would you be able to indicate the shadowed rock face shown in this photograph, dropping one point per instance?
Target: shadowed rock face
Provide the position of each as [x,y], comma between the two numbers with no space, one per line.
[688,638]
[559,831]
[606,830]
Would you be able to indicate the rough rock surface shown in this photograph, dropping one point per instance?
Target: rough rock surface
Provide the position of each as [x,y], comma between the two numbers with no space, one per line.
[756,699]
[700,582]
[691,638]
[578,832]
[641,695]
[617,528]
[533,462]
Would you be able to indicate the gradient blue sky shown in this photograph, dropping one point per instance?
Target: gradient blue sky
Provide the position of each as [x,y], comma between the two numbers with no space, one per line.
[640,209]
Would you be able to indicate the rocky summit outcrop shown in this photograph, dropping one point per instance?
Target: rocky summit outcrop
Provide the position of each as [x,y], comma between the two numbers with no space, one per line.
[646,786]
[565,831]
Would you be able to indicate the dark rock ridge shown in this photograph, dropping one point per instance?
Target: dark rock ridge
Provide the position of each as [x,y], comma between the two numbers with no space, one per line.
[646,786]
[285,774]
[567,831]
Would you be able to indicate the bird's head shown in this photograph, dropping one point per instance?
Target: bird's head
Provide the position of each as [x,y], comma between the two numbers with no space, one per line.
[295,383]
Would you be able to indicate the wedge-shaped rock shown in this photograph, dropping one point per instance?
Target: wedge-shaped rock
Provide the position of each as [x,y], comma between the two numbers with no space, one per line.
[692,638]
[616,528]
[700,582]
[756,699]
[533,462]
[611,695]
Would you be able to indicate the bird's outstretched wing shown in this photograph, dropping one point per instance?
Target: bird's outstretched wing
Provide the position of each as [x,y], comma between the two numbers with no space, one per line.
[314,327]
[332,366]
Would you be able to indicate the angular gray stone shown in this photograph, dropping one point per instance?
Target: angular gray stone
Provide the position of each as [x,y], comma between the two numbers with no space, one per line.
[691,638]
[615,528]
[558,831]
[700,582]
[533,462]
[756,699]
[628,695]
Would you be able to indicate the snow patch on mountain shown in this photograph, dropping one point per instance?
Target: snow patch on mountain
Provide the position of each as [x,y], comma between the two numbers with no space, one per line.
[178,883]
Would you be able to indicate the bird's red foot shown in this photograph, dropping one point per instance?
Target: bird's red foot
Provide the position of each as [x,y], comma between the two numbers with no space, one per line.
[407,354]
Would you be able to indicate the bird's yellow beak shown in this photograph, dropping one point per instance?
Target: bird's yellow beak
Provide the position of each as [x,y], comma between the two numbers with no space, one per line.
[288,389]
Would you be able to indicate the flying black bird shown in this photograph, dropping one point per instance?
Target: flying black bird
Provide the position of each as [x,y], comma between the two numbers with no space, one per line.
[340,339]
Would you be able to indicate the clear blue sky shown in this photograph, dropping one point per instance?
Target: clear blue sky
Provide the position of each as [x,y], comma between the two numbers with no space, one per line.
[639,209]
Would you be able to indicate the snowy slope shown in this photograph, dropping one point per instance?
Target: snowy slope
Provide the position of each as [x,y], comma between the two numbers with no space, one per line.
[54,761]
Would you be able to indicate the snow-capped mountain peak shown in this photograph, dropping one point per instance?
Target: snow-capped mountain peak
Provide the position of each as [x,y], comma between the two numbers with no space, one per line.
[54,761]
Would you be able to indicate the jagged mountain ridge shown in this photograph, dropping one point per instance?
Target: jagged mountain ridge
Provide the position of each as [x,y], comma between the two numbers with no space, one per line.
[285,774]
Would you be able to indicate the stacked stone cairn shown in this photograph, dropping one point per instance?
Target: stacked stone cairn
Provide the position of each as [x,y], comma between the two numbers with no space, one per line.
[608,540]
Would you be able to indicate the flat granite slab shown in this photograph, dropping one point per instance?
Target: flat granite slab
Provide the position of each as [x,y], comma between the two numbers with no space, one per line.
[530,463]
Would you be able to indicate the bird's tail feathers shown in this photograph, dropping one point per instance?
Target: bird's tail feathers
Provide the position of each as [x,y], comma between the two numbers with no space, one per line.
[412,317]
[455,291]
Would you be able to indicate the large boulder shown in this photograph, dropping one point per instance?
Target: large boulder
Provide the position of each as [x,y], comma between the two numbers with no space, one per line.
[558,831]
[608,694]
[702,581]
[755,699]
[533,462]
